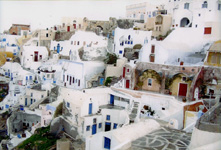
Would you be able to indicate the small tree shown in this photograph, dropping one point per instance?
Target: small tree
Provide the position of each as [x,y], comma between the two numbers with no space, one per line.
[111,58]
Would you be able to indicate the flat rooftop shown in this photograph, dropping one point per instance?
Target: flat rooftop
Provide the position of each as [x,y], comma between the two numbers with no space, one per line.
[109,106]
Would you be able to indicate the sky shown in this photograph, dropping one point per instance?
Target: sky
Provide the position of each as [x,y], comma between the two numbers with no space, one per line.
[45,14]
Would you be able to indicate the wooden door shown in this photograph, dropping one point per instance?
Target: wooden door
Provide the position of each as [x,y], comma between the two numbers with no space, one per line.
[182,89]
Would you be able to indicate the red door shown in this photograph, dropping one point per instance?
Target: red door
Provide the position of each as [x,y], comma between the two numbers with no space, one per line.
[74,26]
[182,89]
[152,58]
[124,72]
[127,84]
[36,56]
[68,28]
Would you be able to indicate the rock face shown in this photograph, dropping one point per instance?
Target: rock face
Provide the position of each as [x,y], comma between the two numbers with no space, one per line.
[125,23]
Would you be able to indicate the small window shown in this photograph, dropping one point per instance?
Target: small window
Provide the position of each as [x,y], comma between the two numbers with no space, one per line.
[128,70]
[73,79]
[205,4]
[78,43]
[183,78]
[94,120]
[46,34]
[108,117]
[88,128]
[115,125]
[186,6]
[67,77]
[219,6]
[120,51]
[71,42]
[79,83]
[153,49]
[199,15]
[68,104]
[149,82]
[31,94]
[100,125]
[42,96]
[74,42]
[207,30]
[196,25]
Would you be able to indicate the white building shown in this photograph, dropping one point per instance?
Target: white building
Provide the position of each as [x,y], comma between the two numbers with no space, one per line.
[202,15]
[33,95]
[121,138]
[128,38]
[33,56]
[95,110]
[78,75]
[142,11]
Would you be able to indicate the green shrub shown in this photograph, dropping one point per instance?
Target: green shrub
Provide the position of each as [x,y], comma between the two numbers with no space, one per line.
[58,110]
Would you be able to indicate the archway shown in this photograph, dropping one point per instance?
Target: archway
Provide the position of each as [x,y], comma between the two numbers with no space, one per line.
[184,22]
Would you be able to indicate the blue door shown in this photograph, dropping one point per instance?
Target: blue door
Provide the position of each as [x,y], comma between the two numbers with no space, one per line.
[112,99]
[94,129]
[26,101]
[107,143]
[101,81]
[90,109]
[58,48]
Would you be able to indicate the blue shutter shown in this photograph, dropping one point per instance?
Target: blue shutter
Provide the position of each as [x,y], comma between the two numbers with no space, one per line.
[115,125]
[94,129]
[112,99]
[26,101]
[90,109]
[107,143]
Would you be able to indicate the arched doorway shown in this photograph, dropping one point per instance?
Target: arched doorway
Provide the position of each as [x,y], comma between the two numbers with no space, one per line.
[184,22]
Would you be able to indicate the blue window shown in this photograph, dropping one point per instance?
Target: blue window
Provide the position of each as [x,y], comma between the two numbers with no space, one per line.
[100,125]
[115,125]
[131,42]
[68,104]
[128,37]
[88,128]
[14,53]
[30,77]
[107,143]
[120,51]
[31,100]
[6,73]
[26,77]
[90,109]
[26,101]
[4,40]
[6,106]
[108,117]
